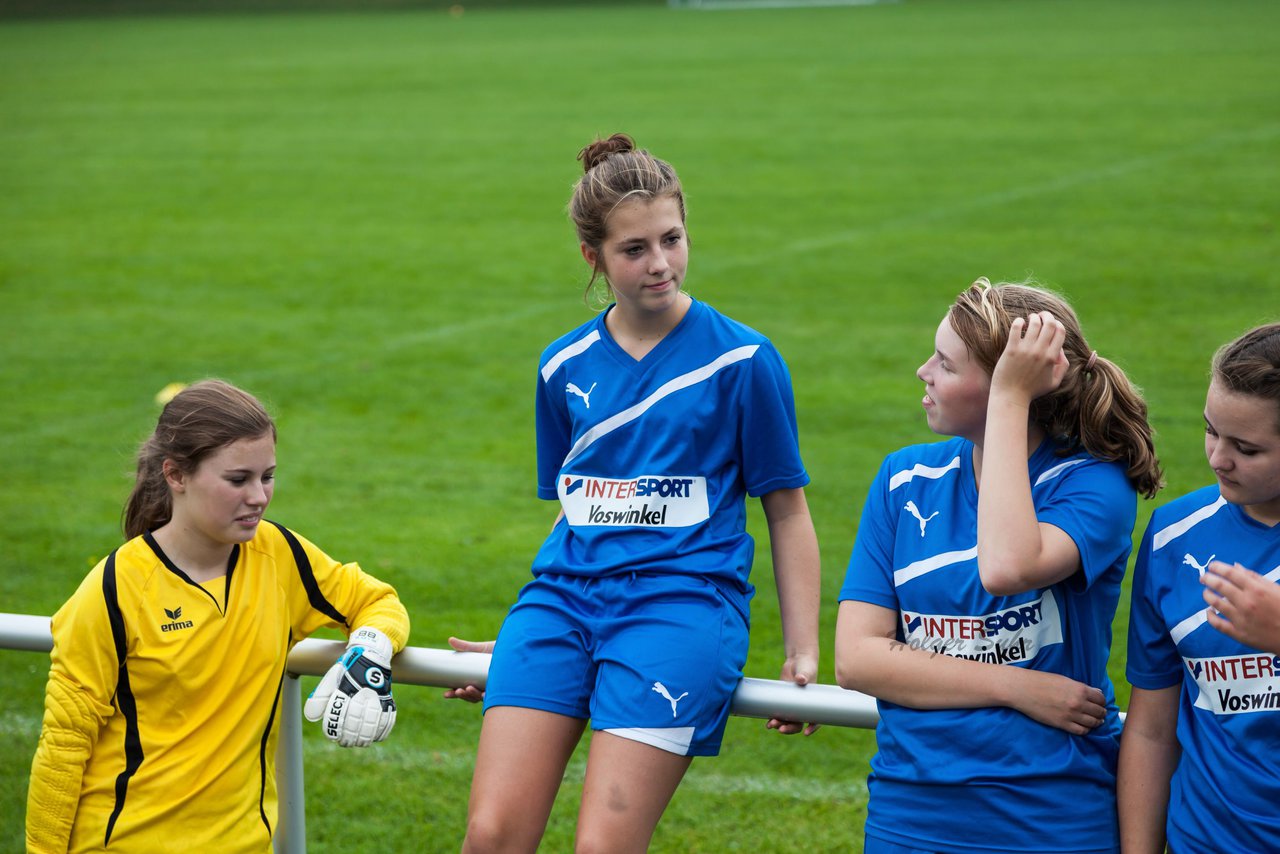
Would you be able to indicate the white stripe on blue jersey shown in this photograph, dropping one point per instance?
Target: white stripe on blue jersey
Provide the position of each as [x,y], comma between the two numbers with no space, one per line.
[1057,470]
[929,564]
[1186,523]
[918,470]
[580,346]
[679,383]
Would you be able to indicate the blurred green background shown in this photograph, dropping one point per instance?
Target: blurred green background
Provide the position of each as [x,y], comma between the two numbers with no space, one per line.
[358,214]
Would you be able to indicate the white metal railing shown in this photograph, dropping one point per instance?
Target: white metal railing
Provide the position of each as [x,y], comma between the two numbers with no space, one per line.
[440,668]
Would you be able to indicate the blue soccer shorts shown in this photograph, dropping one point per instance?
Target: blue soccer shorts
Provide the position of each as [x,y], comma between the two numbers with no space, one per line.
[873,845]
[652,658]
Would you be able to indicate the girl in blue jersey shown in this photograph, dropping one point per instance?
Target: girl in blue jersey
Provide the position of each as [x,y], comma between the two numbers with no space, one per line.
[655,420]
[978,602]
[1200,757]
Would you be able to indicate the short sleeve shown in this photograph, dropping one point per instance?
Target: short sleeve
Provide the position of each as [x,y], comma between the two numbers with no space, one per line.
[551,421]
[869,577]
[770,437]
[1095,504]
[1153,662]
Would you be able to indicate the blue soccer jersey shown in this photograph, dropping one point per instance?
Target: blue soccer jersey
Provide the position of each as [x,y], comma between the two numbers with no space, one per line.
[1226,788]
[651,460]
[993,779]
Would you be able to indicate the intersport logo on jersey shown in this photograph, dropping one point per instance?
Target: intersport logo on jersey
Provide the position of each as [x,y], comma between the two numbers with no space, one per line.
[648,501]
[1233,684]
[1007,636]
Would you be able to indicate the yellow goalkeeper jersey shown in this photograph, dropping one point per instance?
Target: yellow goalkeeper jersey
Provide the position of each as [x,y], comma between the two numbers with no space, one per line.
[163,702]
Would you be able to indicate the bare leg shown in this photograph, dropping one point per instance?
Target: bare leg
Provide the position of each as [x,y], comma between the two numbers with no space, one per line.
[628,786]
[519,766]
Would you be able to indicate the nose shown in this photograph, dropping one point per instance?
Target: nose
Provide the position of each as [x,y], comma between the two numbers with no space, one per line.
[1219,455]
[920,372]
[658,262]
[258,495]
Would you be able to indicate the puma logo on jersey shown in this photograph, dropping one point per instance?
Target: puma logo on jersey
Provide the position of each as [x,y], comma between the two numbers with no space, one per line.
[176,623]
[1188,560]
[662,689]
[915,511]
[571,388]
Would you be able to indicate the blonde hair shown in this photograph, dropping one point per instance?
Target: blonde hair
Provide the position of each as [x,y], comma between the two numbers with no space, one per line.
[1095,407]
[615,171]
[199,420]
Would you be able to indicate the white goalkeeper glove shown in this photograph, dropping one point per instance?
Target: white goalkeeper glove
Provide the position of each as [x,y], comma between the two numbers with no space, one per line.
[354,698]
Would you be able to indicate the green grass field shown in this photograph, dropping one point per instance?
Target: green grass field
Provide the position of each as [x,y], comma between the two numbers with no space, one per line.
[361,218]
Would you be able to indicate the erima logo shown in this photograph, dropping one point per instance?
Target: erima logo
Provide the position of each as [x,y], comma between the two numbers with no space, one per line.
[662,689]
[915,511]
[585,395]
[1188,560]
[177,623]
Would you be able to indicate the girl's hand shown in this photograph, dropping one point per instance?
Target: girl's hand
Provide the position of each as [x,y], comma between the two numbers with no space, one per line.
[801,669]
[1058,701]
[1244,605]
[470,693]
[1033,362]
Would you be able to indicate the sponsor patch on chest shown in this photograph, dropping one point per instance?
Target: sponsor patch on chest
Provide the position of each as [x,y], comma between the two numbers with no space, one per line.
[648,501]
[1008,636]
[1232,684]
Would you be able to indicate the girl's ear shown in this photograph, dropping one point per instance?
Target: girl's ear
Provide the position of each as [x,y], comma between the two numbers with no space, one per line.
[589,255]
[173,475]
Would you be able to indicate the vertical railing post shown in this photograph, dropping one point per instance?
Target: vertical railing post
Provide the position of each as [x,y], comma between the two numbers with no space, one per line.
[291,825]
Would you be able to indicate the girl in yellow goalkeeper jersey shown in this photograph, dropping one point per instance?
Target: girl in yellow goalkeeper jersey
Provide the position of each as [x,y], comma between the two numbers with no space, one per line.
[163,703]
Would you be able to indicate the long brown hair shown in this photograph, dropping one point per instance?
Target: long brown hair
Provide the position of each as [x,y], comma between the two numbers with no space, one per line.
[199,420]
[614,172]
[1251,365]
[1095,407]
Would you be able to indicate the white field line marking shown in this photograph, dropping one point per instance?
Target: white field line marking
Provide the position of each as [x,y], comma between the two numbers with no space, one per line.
[427,335]
[1002,197]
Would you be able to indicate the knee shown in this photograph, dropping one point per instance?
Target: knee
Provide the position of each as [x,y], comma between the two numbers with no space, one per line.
[490,834]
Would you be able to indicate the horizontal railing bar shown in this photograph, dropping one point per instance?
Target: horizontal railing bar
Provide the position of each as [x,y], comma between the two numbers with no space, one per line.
[441,668]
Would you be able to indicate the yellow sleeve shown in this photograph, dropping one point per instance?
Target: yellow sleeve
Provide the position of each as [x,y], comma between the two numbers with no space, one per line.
[82,679]
[349,592]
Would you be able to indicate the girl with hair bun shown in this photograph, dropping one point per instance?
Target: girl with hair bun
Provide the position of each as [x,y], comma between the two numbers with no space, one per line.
[162,710]
[655,420]
[978,601]
[1200,757]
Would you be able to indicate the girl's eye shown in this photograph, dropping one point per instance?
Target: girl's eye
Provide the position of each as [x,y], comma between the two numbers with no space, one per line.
[1247,452]
[673,239]
[633,251]
[1209,431]
[238,481]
